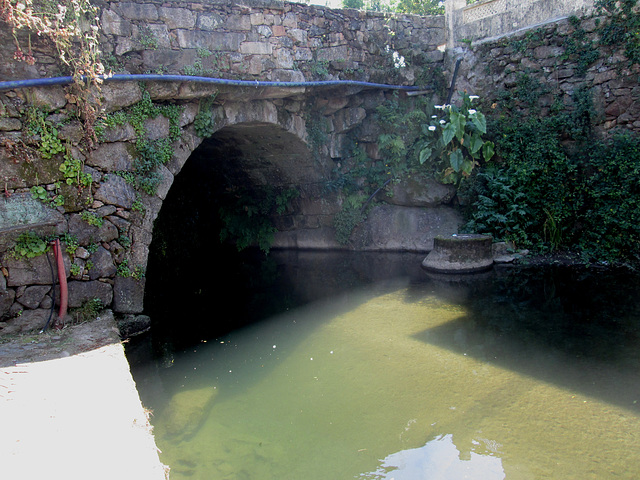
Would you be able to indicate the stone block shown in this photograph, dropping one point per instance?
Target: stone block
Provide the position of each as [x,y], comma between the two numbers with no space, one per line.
[177,17]
[214,41]
[114,24]
[401,228]
[256,48]
[146,12]
[21,212]
[33,295]
[209,21]
[33,271]
[131,325]
[102,264]
[80,292]
[7,296]
[112,157]
[118,95]
[116,191]
[128,295]
[420,192]
[88,234]
[347,118]
[27,321]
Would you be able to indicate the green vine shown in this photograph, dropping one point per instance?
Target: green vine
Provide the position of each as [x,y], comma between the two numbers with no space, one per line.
[29,245]
[149,154]
[206,122]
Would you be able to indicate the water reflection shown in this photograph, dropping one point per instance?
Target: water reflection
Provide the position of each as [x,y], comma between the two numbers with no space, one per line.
[439,459]
[534,374]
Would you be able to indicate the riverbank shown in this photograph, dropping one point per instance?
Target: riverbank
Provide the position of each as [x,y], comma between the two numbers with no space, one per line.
[69,408]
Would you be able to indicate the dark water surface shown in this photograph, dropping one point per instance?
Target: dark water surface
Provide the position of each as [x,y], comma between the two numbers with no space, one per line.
[363,366]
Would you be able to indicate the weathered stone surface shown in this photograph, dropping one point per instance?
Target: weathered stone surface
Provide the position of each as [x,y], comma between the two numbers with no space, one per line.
[157,127]
[390,227]
[27,321]
[128,295]
[114,24]
[214,41]
[80,292]
[138,11]
[103,266]
[116,191]
[33,295]
[32,271]
[75,199]
[460,254]
[8,124]
[118,95]
[209,21]
[177,17]
[88,234]
[166,180]
[22,210]
[420,192]
[131,325]
[7,296]
[47,98]
[346,119]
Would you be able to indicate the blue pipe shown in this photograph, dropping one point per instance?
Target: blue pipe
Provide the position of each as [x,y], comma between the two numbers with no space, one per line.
[45,82]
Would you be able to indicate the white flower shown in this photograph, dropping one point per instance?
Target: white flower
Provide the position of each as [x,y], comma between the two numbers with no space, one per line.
[432,128]
[439,107]
[472,111]
[473,97]
[434,116]
[442,122]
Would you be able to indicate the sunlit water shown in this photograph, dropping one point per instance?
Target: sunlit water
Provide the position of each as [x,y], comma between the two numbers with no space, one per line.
[408,376]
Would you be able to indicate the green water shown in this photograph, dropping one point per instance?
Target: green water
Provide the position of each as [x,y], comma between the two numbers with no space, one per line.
[411,378]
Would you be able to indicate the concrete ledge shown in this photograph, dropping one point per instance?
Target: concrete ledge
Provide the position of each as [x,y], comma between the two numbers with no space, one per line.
[75,417]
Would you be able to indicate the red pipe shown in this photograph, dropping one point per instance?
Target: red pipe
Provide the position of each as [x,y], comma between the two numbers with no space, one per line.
[62,280]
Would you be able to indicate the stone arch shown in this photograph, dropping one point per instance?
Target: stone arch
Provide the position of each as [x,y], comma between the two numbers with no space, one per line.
[257,143]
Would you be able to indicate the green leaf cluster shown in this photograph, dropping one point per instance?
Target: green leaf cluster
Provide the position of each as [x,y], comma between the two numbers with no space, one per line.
[455,140]
[149,153]
[555,185]
[247,216]
[29,245]
[206,122]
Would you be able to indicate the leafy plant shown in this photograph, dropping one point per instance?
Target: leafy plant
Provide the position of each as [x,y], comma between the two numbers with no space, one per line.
[455,139]
[247,218]
[29,245]
[87,312]
[149,153]
[71,242]
[92,219]
[622,26]
[75,270]
[205,123]
[40,193]
[350,215]
[73,172]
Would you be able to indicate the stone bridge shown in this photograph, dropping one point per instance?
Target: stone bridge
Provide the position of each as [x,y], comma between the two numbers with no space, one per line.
[261,119]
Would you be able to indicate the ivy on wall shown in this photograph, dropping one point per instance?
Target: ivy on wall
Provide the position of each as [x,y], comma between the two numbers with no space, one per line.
[557,183]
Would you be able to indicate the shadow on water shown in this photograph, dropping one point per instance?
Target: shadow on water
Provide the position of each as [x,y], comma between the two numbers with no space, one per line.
[570,326]
[574,327]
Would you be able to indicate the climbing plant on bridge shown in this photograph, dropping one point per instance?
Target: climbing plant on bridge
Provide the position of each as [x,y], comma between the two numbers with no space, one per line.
[72,26]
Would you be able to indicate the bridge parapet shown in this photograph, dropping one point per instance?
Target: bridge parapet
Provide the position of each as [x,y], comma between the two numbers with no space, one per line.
[269,40]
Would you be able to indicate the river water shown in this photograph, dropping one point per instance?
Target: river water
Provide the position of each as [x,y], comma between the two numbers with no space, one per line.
[363,366]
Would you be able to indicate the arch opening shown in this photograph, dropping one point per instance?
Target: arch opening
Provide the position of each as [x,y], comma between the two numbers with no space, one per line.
[199,285]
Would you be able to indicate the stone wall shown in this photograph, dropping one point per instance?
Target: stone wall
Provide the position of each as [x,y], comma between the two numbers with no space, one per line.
[108,225]
[493,18]
[557,61]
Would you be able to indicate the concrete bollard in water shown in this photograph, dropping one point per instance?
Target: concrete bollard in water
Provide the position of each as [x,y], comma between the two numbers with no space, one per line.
[462,253]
